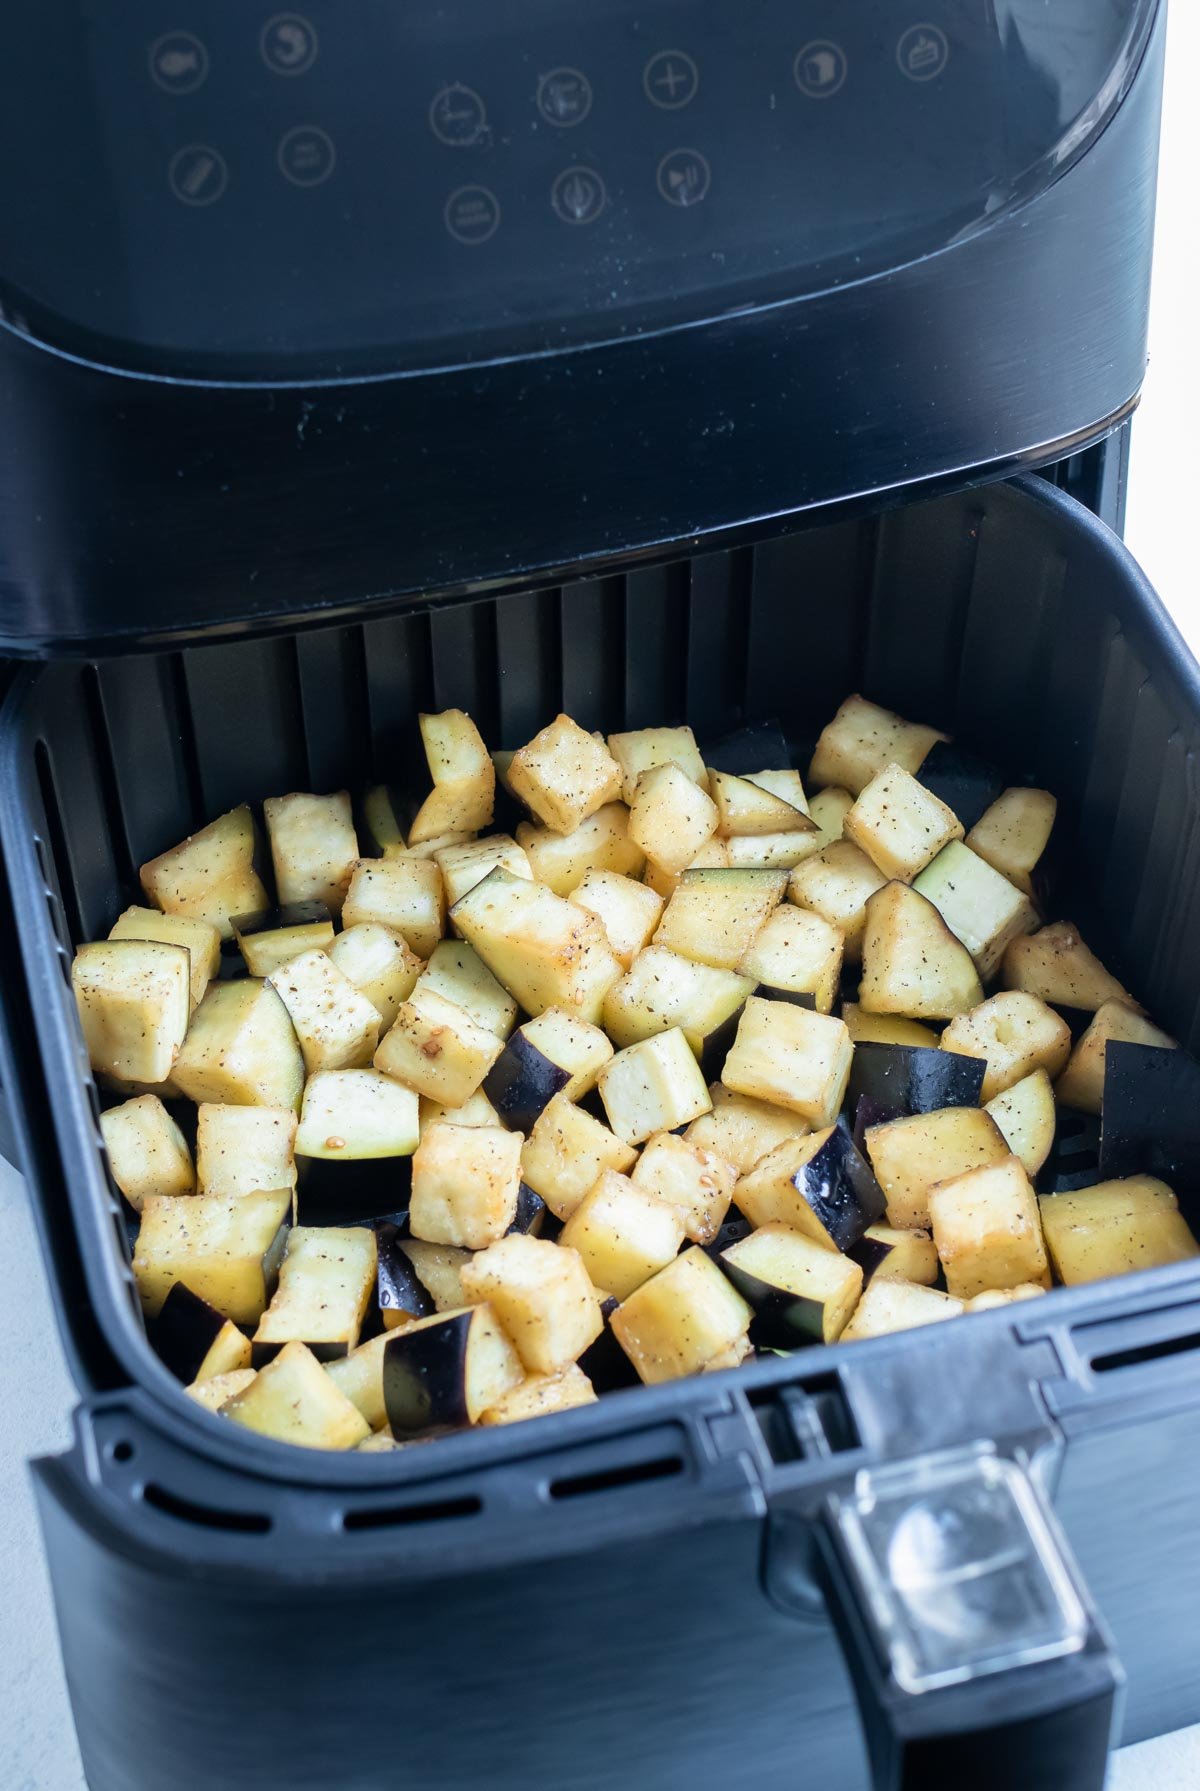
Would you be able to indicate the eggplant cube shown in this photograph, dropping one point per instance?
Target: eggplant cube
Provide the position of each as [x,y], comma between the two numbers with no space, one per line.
[269,940]
[653,1086]
[241,1149]
[356,1116]
[978,905]
[478,1111]
[1115,1228]
[459,974]
[211,875]
[773,851]
[787,784]
[564,775]
[913,964]
[662,990]
[338,1029]
[463,866]
[696,1182]
[889,1306]
[791,1056]
[437,1049]
[900,825]
[405,894]
[628,911]
[909,1155]
[746,808]
[314,848]
[601,843]
[1004,1296]
[861,740]
[439,1268]
[542,1295]
[801,1292]
[380,963]
[293,1400]
[1026,1115]
[1013,834]
[987,1229]
[359,1376]
[714,915]
[465,1184]
[682,1319]
[542,1394]
[147,1153]
[623,1234]
[227,1247]
[401,1294]
[464,778]
[670,817]
[566,1152]
[1057,966]
[820,1186]
[829,808]
[545,951]
[897,1255]
[200,939]
[1015,1034]
[912,1079]
[215,1392]
[194,1340]
[795,954]
[645,748]
[837,883]
[381,816]
[714,855]
[1081,1084]
[326,1280]
[741,1130]
[554,1054]
[241,1047]
[448,1370]
[134,1000]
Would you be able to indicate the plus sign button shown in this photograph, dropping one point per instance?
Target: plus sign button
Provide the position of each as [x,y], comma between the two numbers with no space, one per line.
[670,80]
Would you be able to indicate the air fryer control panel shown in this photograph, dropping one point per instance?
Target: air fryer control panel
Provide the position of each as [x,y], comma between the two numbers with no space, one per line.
[393,182]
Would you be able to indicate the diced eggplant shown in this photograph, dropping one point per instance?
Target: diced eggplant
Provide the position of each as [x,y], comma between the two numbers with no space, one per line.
[358,1130]
[868,1112]
[227,1247]
[896,1255]
[1013,835]
[218,1389]
[909,1155]
[646,748]
[1013,1034]
[670,817]
[435,1048]
[601,843]
[241,1047]
[1056,965]
[359,1376]
[861,740]
[542,1295]
[199,938]
[458,973]
[800,1292]
[795,956]
[732,1231]
[400,1293]
[463,866]
[240,1149]
[792,1057]
[1081,1084]
[478,1111]
[978,905]
[293,1400]
[628,911]
[624,1234]
[210,875]
[1151,1102]
[465,1183]
[381,821]
[653,1086]
[913,964]
[885,1029]
[404,894]
[326,1280]
[540,1395]
[913,1078]
[533,1215]
[338,1029]
[663,990]
[381,1443]
[358,1190]
[714,855]
[714,916]
[147,1152]
[439,1267]
[837,883]
[900,824]
[565,1154]
[134,1000]
[987,1229]
[464,778]
[447,1370]
[697,1183]
[545,951]
[744,749]
[747,809]
[194,1340]
[554,1054]
[564,775]
[1115,1228]
[967,784]
[772,851]
[820,1186]
[1004,1296]
[741,1130]
[380,963]
[681,1319]
[1074,1159]
[888,1306]
[787,784]
[829,808]
[271,939]
[314,848]
[1025,1113]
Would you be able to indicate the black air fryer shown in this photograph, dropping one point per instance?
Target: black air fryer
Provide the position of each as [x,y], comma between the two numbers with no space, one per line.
[659,363]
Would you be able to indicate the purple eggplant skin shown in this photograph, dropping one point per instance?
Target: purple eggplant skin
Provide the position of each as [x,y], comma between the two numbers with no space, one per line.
[398,1287]
[715,1047]
[1074,1160]
[797,997]
[352,1189]
[605,1362]
[732,1231]
[521,1082]
[870,1112]
[184,1331]
[276,920]
[532,1213]
[870,1254]
[840,1187]
[782,1320]
[965,783]
[425,1376]
[758,747]
[1148,1123]
[914,1078]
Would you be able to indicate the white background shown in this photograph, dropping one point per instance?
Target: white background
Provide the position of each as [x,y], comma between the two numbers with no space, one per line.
[37,1751]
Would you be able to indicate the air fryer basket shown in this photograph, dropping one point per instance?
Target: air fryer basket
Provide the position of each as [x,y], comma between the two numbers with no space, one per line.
[1006,615]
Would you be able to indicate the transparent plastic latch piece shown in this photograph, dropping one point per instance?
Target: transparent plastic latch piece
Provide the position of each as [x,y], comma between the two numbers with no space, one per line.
[962,1572]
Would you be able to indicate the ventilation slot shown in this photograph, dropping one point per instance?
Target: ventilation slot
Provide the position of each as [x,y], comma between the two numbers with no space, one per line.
[1146,1352]
[434,1511]
[208,1517]
[634,1473]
